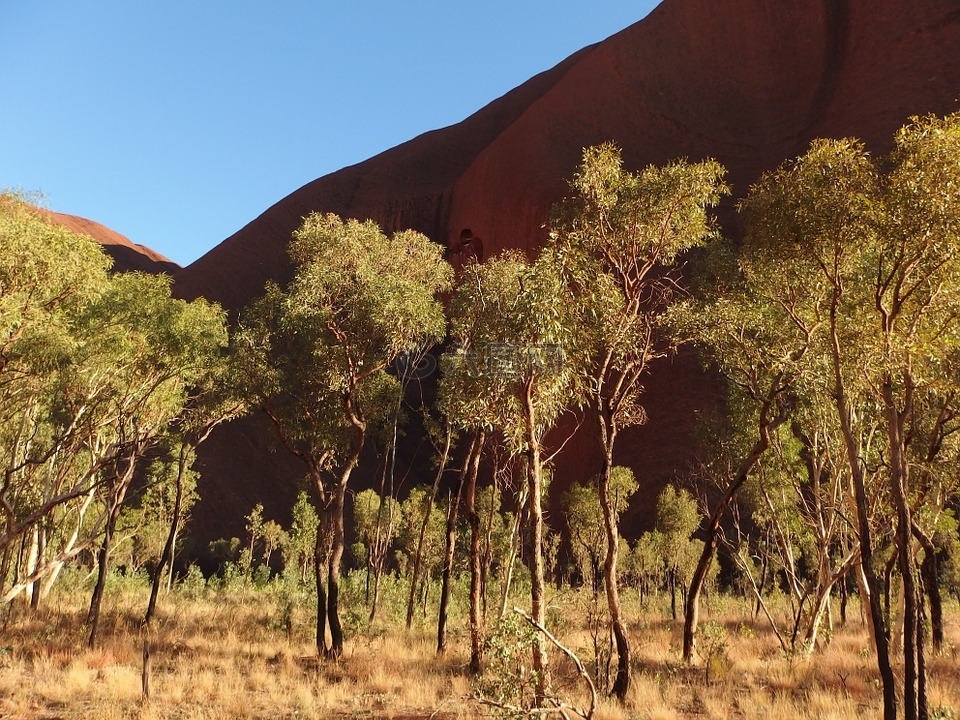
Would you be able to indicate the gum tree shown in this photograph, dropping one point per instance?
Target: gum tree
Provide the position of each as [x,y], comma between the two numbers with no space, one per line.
[517,344]
[876,244]
[318,353]
[619,235]
[150,349]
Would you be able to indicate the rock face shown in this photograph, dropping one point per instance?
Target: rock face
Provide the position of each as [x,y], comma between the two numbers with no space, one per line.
[747,82]
[127,256]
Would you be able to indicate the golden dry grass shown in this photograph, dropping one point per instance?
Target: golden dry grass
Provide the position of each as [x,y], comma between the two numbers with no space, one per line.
[226,657]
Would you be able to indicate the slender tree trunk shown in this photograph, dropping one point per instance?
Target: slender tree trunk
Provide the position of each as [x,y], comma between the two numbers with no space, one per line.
[511,559]
[103,565]
[166,557]
[333,568]
[608,437]
[477,629]
[382,542]
[535,534]
[450,547]
[928,570]
[321,554]
[118,493]
[864,535]
[692,610]
[338,534]
[41,546]
[899,479]
[418,557]
[450,540]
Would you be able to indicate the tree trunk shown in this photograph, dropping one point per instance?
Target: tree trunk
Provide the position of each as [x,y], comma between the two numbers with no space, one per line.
[118,492]
[338,535]
[928,570]
[449,547]
[621,684]
[864,535]
[899,480]
[321,555]
[476,565]
[41,546]
[103,564]
[418,557]
[692,610]
[508,571]
[166,557]
[535,534]
[333,568]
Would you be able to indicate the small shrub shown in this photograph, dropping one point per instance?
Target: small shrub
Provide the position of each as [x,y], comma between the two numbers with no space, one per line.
[713,643]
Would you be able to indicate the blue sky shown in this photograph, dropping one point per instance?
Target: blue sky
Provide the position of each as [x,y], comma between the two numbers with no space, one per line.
[177,122]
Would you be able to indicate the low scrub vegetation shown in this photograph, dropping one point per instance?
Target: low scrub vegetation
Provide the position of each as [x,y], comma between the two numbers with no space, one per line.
[224,652]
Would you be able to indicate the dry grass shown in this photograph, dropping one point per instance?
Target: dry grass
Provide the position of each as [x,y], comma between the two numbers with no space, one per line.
[228,656]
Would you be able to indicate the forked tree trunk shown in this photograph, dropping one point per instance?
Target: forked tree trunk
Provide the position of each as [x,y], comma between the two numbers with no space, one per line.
[899,479]
[611,581]
[103,565]
[535,535]
[450,547]
[118,492]
[166,557]
[864,534]
[476,562]
[418,557]
[692,610]
[337,532]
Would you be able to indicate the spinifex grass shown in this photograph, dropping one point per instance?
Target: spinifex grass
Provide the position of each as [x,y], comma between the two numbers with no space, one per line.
[224,655]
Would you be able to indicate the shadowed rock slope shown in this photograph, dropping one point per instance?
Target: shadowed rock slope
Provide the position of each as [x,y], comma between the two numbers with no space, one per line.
[127,256]
[747,82]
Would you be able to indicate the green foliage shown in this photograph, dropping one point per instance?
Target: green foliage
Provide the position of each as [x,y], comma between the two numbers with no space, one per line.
[585,520]
[300,540]
[508,678]
[412,511]
[714,646]
[613,239]
[373,518]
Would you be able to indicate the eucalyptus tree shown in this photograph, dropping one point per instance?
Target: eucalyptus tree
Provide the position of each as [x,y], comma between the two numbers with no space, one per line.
[756,333]
[47,275]
[877,243]
[621,232]
[212,399]
[153,349]
[317,355]
[518,347]
[586,524]
[677,519]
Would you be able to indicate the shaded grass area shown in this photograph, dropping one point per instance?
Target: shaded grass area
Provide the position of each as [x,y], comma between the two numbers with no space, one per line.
[233,654]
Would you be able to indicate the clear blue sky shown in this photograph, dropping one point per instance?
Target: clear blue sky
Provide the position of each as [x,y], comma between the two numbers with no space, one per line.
[177,122]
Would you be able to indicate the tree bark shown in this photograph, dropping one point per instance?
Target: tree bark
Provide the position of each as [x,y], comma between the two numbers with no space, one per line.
[117,492]
[476,562]
[418,557]
[535,535]
[103,564]
[899,479]
[166,557]
[864,535]
[692,610]
[928,570]
[338,535]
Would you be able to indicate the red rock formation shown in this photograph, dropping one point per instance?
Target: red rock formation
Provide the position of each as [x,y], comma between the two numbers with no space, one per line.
[748,82]
[127,256]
